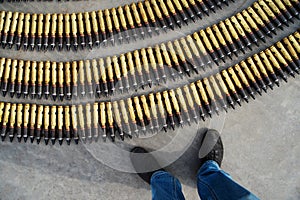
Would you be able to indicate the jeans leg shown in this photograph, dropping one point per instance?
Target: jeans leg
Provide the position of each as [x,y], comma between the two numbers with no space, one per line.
[215,184]
[165,187]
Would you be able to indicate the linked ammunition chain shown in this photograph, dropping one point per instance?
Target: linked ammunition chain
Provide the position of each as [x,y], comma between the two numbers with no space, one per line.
[155,111]
[93,28]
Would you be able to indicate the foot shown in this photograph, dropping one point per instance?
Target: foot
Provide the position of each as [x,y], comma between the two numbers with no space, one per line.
[211,147]
[144,163]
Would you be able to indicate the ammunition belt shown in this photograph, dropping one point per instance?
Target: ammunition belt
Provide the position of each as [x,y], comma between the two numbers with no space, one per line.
[90,29]
[152,112]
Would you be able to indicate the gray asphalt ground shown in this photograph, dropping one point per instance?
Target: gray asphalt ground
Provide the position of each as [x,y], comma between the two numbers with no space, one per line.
[261,138]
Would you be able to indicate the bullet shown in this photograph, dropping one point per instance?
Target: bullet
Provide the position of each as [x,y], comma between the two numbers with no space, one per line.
[81,30]
[103,76]
[60,73]
[175,16]
[116,24]
[7,23]
[67,75]
[147,113]
[46,124]
[40,79]
[19,31]
[168,62]
[2,66]
[26,31]
[294,42]
[215,43]
[174,58]
[123,23]
[47,25]
[211,95]
[89,78]
[153,111]
[130,22]
[269,67]
[88,30]
[124,71]
[67,30]
[138,21]
[204,97]
[158,13]
[162,114]
[67,124]
[160,63]
[2,17]
[75,41]
[6,77]
[189,54]
[81,122]
[81,75]
[96,77]
[125,118]
[54,80]
[225,90]
[195,51]
[33,77]
[118,120]
[33,119]
[33,29]
[196,99]
[52,39]
[74,80]
[13,27]
[5,120]
[228,37]
[12,121]
[221,39]
[110,74]
[19,121]
[253,25]
[96,121]
[132,117]
[131,70]
[95,28]
[153,64]
[13,74]
[277,66]
[145,18]
[2,105]
[74,124]
[217,91]
[139,113]
[176,107]
[262,69]
[288,57]
[25,122]
[39,123]
[146,66]
[88,118]
[109,26]
[103,120]
[40,26]
[26,79]
[183,61]
[53,124]
[183,105]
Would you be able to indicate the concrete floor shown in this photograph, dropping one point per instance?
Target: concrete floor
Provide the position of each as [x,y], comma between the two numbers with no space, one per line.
[261,139]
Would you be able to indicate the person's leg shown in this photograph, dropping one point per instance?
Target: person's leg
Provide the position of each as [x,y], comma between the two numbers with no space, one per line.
[165,187]
[214,183]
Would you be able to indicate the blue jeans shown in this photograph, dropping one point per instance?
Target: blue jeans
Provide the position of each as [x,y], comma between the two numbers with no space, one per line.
[212,182]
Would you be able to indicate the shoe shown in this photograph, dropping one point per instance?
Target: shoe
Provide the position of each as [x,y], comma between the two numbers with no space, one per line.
[211,147]
[144,163]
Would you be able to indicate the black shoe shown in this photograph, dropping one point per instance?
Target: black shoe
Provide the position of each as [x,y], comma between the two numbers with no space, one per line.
[211,147]
[144,163]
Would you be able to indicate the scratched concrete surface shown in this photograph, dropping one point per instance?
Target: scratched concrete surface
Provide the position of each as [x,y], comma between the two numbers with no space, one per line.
[261,138]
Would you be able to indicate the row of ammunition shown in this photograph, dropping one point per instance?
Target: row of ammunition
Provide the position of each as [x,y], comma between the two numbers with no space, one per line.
[94,28]
[153,112]
[104,77]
